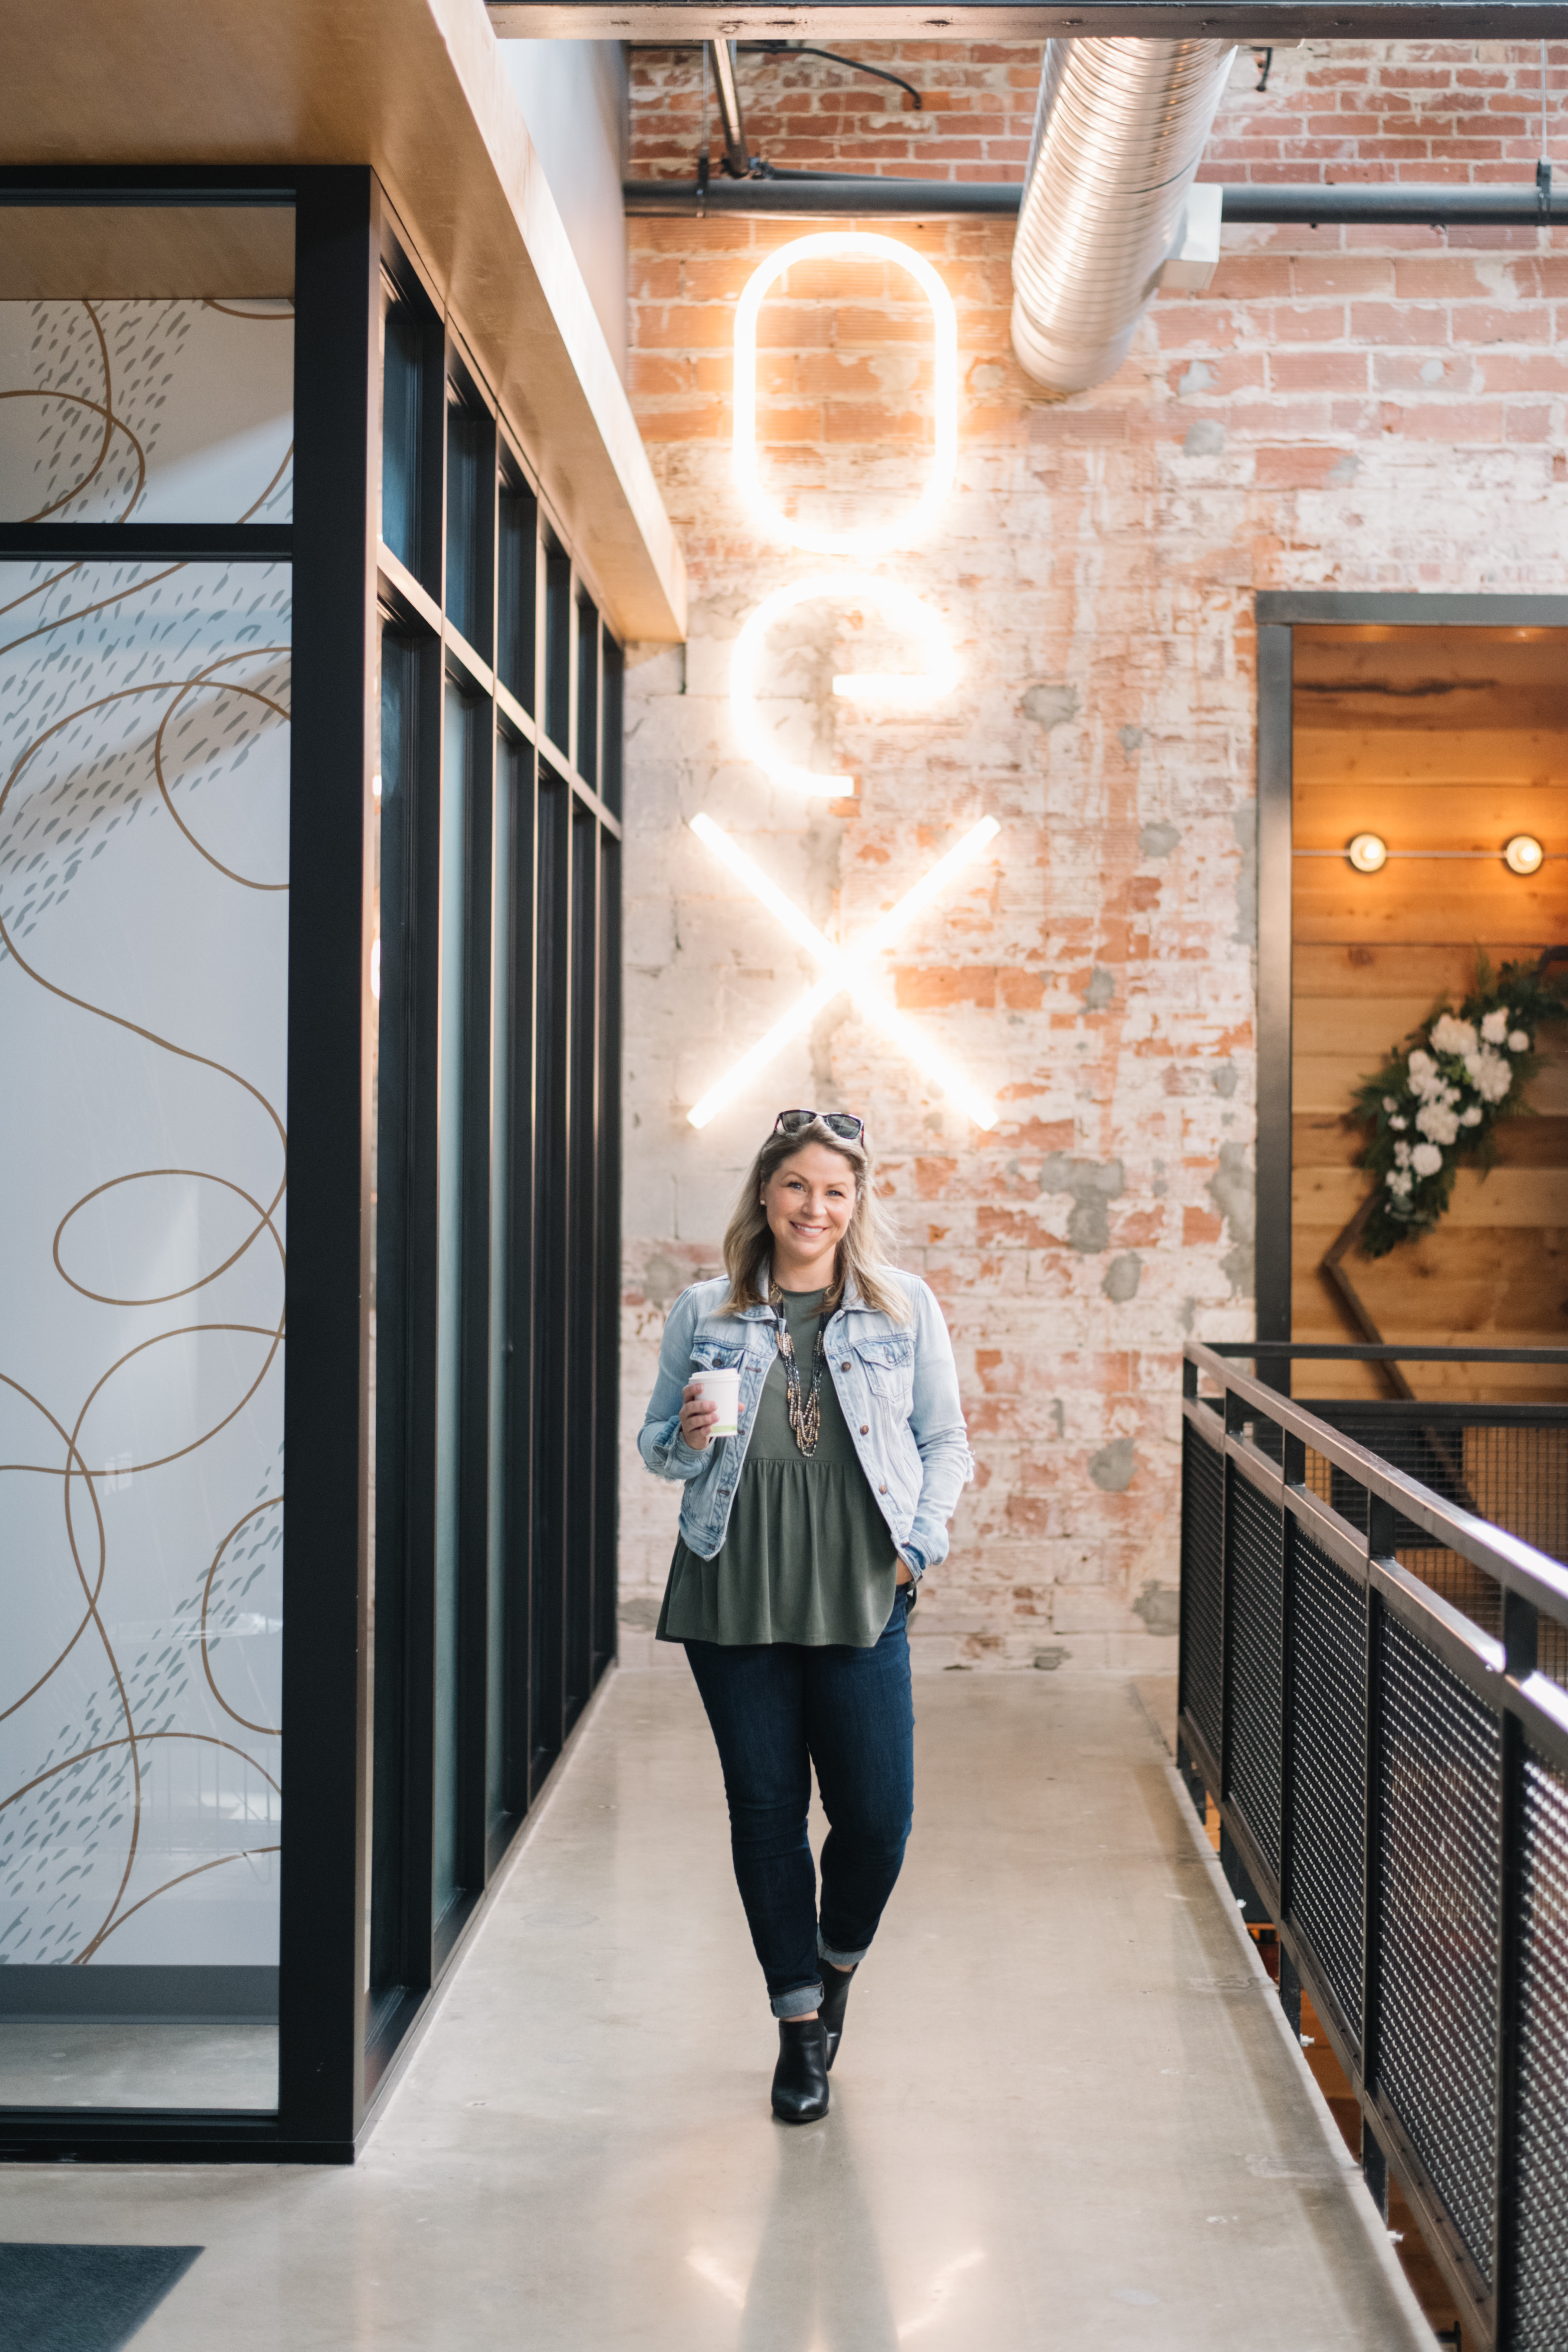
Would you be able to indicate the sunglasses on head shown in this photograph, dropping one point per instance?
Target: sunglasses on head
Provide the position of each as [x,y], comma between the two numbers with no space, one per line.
[837,1122]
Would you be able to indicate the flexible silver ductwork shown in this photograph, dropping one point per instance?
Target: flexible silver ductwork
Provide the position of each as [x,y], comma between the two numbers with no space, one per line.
[1119,134]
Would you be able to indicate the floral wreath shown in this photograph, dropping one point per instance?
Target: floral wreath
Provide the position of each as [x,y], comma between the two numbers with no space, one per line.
[1439,1096]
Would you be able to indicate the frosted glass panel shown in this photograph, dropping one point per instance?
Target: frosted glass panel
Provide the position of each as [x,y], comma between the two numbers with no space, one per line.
[143,943]
[146,412]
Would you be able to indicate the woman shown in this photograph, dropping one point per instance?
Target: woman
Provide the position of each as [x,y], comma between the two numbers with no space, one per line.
[803,1542]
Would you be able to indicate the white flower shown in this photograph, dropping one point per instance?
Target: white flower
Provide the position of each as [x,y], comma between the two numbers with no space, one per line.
[1473,1116]
[1398,1183]
[1426,1160]
[1425,1078]
[1400,1123]
[1401,1155]
[1439,1122]
[1494,1028]
[1518,1041]
[1452,1036]
[1489,1074]
[1389,1103]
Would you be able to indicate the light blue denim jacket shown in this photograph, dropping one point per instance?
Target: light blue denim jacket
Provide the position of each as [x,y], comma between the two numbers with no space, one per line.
[897,1386]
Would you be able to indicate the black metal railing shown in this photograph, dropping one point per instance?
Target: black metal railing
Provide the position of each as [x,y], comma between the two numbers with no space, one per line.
[1373,1695]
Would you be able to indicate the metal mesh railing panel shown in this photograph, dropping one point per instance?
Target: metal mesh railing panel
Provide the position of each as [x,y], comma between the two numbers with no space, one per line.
[1552,1653]
[1541,2291]
[1328,1842]
[1436,2064]
[1517,1477]
[1510,1471]
[1469,1588]
[1203,1632]
[1257,1672]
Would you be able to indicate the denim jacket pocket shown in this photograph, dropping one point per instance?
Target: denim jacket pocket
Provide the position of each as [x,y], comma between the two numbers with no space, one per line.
[715,1355]
[888,1367]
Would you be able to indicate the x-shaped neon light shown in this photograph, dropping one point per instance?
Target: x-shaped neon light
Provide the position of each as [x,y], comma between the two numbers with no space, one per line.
[847,969]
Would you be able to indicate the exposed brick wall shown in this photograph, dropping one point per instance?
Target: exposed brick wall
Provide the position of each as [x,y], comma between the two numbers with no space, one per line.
[1339,112]
[1345,408]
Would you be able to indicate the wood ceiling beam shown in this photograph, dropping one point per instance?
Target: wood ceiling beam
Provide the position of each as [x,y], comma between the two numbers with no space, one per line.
[1254,21]
[417,90]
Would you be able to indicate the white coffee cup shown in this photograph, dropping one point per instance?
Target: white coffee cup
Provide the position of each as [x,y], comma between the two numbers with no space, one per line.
[722,1389]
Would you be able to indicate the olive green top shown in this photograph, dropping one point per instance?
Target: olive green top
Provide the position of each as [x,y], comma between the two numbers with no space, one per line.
[807,1555]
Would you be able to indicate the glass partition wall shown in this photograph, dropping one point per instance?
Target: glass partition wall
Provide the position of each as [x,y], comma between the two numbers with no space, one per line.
[309,846]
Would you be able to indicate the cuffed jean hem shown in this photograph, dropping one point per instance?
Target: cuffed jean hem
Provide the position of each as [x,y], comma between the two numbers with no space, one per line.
[839,1960]
[799,2001]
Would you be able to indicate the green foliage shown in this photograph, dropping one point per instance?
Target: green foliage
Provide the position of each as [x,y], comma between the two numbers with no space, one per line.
[1436,1101]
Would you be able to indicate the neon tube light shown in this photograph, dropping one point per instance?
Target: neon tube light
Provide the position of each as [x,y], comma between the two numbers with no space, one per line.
[906,690]
[858,244]
[847,969]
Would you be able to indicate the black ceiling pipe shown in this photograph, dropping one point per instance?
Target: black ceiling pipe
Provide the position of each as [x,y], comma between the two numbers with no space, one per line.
[840,193]
[1521,204]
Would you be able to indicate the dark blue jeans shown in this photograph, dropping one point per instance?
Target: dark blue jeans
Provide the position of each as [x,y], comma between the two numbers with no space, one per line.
[777,1710]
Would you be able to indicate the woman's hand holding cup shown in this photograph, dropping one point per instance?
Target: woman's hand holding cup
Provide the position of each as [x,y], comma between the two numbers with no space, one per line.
[710,1407]
[697,1415]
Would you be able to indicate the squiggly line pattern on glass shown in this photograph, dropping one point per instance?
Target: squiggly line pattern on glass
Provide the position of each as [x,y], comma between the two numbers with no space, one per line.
[187,693]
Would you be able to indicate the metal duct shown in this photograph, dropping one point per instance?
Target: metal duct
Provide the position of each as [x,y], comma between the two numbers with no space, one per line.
[1120,132]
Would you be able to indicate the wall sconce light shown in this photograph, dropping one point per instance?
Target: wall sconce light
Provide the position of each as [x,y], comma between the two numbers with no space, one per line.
[1368,852]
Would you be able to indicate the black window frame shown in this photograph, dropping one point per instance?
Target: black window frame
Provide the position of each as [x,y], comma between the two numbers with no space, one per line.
[343,2039]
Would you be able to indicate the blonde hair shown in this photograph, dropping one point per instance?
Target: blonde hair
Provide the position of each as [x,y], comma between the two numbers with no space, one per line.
[863,1251]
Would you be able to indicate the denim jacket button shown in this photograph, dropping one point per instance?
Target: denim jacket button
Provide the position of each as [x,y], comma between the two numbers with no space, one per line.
[866,1432]
[844,1366]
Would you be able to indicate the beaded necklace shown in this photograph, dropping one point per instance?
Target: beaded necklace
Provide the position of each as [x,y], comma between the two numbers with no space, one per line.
[804,1405]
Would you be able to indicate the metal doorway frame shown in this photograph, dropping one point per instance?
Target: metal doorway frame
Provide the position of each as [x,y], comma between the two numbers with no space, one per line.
[1279,612]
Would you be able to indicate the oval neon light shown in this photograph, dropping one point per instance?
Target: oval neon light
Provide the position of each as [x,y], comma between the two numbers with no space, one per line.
[915,690]
[861,244]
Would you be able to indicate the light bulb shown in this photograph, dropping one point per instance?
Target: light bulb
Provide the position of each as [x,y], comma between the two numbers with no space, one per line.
[1523,855]
[1368,852]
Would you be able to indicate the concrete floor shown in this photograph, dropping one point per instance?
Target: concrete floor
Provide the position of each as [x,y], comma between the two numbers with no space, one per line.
[96,2062]
[1063,2114]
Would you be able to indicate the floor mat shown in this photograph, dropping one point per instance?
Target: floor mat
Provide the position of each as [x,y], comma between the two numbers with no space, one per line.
[83,2298]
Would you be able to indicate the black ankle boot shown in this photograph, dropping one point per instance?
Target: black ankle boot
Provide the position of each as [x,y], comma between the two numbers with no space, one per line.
[835,1984]
[800,2078]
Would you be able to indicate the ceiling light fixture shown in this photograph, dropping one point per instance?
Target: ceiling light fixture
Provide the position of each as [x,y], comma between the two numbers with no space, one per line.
[847,970]
[1523,855]
[850,244]
[901,690]
[1368,852]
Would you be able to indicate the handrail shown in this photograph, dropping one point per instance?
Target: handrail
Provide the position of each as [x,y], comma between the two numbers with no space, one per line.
[1518,1566]
[1363,1352]
[1391,1778]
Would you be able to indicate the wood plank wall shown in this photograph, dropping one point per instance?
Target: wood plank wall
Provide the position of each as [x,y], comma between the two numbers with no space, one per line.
[1436,739]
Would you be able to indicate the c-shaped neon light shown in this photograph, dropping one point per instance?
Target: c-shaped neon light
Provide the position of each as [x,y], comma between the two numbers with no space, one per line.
[913,690]
[847,969]
[858,244]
